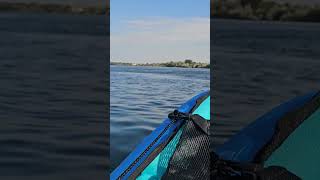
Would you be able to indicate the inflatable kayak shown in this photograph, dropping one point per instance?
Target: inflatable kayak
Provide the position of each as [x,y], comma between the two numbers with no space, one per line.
[284,142]
[179,147]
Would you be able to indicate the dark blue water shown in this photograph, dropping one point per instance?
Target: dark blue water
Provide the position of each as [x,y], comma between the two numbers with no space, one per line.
[258,66]
[52,96]
[141,97]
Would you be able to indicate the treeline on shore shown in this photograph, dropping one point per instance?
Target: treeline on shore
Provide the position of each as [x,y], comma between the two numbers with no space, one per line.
[183,64]
[53,8]
[264,10]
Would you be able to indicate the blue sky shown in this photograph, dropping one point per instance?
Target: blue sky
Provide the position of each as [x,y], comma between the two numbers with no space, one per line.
[160,30]
[168,8]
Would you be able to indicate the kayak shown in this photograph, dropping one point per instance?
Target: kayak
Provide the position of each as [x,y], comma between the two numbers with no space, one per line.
[162,154]
[286,138]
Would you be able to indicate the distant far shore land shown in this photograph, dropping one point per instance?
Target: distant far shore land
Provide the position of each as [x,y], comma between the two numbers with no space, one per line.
[268,10]
[53,8]
[181,64]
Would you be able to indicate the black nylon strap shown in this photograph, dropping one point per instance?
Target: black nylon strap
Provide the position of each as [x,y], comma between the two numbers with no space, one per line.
[197,120]
[177,115]
[201,123]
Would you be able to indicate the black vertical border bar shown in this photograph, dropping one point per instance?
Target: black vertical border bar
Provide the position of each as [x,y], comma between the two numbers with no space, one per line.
[107,127]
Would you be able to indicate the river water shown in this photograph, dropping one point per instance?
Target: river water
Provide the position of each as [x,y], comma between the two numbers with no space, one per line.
[52,96]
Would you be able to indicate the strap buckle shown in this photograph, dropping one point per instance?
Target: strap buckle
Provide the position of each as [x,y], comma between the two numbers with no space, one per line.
[175,115]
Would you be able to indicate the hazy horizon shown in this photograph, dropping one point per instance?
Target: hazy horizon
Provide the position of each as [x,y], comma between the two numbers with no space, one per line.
[159,31]
[156,61]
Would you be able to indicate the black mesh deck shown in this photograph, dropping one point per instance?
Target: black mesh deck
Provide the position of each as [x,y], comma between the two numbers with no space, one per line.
[191,159]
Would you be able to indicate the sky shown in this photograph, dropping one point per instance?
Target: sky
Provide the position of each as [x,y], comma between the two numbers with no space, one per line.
[159,31]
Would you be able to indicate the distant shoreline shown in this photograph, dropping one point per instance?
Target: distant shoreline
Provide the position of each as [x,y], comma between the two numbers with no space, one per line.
[180,64]
[53,8]
[266,10]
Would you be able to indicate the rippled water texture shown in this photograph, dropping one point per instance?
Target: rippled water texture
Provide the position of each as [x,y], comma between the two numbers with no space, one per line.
[141,97]
[259,65]
[52,114]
